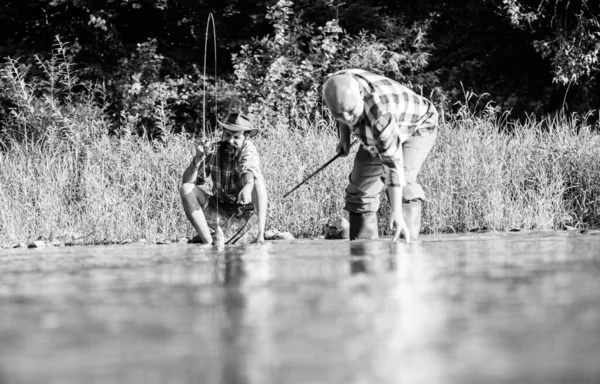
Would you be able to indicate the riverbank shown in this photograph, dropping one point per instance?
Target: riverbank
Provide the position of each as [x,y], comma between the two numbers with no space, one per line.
[107,189]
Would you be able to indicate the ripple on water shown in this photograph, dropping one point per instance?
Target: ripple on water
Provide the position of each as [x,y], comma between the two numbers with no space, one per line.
[480,307]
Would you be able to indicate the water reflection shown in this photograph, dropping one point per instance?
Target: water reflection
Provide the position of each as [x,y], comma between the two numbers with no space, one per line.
[369,257]
[234,269]
[454,309]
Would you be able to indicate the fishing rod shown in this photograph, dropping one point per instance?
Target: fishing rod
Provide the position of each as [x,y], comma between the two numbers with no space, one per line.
[318,170]
[210,21]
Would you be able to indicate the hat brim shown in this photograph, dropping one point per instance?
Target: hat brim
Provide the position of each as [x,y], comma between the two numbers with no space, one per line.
[238,128]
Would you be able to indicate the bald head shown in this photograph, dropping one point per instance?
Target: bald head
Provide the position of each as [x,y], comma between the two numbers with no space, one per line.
[343,97]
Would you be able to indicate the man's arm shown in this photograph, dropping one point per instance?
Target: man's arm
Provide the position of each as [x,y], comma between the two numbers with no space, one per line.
[261,198]
[191,172]
[343,146]
[389,148]
[255,189]
[390,151]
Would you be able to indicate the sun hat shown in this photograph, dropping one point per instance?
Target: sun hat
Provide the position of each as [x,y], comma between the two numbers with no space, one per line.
[239,123]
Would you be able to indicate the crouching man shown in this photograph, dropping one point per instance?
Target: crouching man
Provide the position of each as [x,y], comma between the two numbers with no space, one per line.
[239,194]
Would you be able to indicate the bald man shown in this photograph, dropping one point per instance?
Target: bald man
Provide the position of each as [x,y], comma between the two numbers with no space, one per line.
[397,129]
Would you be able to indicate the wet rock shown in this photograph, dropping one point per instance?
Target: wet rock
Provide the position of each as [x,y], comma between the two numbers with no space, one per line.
[479,229]
[194,240]
[20,245]
[284,236]
[338,228]
[590,232]
[37,244]
[126,241]
[515,230]
[162,242]
[273,234]
[569,228]
[57,243]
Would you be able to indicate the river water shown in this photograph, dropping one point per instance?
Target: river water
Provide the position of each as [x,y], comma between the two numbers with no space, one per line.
[477,308]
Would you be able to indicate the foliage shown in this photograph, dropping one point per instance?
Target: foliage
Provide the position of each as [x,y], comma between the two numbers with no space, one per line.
[567,32]
[53,105]
[509,49]
[543,175]
[279,76]
[154,103]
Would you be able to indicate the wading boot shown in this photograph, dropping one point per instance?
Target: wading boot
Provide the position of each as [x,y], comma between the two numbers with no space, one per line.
[411,211]
[363,226]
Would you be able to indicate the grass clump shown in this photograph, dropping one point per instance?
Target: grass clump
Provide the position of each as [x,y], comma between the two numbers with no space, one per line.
[540,176]
[67,173]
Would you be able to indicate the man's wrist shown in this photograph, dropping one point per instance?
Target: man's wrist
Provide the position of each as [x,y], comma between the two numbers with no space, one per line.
[196,161]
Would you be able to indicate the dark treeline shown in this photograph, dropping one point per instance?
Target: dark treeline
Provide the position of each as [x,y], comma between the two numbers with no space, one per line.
[522,56]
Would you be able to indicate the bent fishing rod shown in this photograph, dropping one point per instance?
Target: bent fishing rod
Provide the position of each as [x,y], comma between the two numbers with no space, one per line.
[319,170]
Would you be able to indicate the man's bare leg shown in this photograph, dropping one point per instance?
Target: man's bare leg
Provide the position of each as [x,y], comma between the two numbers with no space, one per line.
[193,198]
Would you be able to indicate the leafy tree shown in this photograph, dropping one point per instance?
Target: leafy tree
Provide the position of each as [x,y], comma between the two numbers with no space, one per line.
[566,32]
[280,75]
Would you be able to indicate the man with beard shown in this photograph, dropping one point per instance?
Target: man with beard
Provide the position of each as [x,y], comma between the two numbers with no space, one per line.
[238,187]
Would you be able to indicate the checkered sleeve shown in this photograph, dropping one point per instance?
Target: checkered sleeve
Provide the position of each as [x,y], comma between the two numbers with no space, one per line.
[249,159]
[389,146]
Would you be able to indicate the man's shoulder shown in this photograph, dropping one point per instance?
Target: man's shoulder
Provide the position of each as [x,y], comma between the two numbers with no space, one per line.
[250,151]
[249,146]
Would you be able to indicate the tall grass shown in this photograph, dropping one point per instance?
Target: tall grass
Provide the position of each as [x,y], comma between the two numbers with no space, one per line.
[539,176]
[64,177]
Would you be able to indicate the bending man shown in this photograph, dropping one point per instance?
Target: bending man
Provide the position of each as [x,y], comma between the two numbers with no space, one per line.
[397,129]
[237,186]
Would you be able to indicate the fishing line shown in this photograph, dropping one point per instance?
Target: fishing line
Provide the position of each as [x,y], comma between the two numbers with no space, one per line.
[210,22]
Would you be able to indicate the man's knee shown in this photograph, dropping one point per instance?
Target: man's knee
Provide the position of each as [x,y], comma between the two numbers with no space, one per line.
[187,189]
[413,191]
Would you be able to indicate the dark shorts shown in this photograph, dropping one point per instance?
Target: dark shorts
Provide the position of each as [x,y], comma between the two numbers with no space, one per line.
[238,222]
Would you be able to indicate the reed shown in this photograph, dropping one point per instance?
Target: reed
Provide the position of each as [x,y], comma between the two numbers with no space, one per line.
[105,189]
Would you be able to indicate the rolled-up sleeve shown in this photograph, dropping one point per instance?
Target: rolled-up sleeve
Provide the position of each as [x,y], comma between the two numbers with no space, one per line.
[249,159]
[389,146]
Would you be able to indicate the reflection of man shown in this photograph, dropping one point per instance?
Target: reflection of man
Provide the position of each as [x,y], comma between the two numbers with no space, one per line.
[237,185]
[397,129]
[371,258]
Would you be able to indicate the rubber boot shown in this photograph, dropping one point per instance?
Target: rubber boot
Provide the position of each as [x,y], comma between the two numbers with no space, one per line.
[363,226]
[411,211]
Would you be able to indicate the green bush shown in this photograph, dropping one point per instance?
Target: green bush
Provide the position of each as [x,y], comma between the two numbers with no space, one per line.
[279,77]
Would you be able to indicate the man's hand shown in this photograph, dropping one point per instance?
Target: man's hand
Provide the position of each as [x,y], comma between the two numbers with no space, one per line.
[200,149]
[245,195]
[397,221]
[343,147]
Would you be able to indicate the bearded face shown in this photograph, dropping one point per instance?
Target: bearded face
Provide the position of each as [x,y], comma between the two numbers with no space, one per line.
[229,151]
[231,144]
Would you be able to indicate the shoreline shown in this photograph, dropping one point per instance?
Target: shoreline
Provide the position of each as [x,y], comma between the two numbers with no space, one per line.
[39,244]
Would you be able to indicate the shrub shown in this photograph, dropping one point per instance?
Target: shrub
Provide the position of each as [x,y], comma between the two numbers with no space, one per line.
[279,76]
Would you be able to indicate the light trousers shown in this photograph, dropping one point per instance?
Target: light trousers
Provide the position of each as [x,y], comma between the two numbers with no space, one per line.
[366,179]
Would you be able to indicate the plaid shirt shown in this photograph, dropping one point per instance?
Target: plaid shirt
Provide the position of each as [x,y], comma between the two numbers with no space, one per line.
[227,178]
[393,113]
